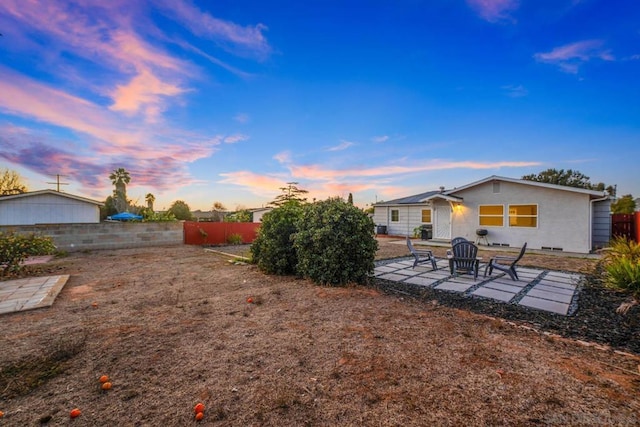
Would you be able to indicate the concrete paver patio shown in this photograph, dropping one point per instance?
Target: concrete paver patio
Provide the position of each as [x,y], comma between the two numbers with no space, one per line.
[30,293]
[545,290]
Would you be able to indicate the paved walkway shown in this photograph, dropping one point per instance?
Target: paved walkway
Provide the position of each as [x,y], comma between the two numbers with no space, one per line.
[30,293]
[545,290]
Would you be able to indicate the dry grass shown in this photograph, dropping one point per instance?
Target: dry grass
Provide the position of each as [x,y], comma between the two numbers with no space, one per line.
[173,327]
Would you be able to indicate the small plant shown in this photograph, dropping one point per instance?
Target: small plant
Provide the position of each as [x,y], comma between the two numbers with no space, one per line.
[622,269]
[235,239]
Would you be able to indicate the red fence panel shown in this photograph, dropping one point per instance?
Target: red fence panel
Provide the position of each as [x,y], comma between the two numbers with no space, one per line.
[623,225]
[216,233]
[637,224]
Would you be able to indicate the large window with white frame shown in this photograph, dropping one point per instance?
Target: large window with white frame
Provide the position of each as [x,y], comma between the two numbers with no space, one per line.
[491,215]
[523,216]
[426,216]
[395,215]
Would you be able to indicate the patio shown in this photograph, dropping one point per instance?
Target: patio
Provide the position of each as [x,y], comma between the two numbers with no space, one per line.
[546,290]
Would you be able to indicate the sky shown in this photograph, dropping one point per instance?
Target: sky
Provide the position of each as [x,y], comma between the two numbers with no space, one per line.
[228,101]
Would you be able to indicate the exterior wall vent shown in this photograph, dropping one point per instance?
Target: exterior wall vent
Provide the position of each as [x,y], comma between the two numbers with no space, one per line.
[496,187]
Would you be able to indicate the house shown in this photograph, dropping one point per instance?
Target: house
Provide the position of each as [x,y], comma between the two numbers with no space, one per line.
[48,207]
[512,211]
[257,213]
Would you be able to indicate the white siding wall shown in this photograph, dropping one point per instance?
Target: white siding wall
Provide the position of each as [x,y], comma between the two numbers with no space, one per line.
[563,216]
[47,209]
[410,217]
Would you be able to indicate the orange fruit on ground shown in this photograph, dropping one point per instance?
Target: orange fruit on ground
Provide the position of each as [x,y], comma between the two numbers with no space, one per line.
[198,408]
[250,300]
[1,414]
[75,413]
[104,379]
[106,386]
[94,304]
[199,416]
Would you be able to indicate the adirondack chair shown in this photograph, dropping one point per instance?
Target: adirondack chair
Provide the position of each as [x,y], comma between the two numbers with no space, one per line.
[464,258]
[506,264]
[421,255]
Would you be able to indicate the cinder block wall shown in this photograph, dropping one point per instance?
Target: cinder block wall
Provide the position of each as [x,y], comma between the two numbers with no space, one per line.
[106,235]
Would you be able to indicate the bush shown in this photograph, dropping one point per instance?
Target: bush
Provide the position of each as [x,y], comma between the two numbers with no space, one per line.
[273,250]
[335,243]
[622,266]
[15,248]
[235,239]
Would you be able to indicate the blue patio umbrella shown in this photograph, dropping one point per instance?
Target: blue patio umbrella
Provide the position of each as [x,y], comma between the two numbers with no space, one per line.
[124,216]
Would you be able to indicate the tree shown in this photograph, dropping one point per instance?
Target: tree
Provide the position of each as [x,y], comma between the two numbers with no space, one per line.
[181,210]
[569,178]
[120,178]
[242,215]
[624,205]
[150,198]
[11,183]
[290,193]
[217,212]
[108,209]
[350,199]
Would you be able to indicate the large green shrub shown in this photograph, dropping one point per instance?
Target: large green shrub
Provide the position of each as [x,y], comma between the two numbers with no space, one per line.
[335,243]
[273,250]
[15,248]
[622,266]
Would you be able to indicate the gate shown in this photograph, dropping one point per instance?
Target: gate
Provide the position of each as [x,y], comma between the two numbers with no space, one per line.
[623,225]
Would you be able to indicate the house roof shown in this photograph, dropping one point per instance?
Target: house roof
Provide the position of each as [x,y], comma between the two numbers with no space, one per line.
[592,193]
[420,199]
[450,195]
[52,192]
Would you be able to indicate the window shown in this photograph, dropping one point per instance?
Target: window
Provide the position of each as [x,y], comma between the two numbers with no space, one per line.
[426,215]
[523,215]
[491,215]
[395,215]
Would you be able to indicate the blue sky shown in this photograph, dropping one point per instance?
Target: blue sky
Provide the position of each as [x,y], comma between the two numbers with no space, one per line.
[227,101]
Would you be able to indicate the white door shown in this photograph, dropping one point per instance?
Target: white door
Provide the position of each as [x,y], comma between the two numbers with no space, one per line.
[443,222]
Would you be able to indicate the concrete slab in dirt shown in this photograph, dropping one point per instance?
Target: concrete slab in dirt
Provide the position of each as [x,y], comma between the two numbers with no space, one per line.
[30,293]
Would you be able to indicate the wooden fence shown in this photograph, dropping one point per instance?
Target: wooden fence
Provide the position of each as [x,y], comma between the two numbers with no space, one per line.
[626,225]
[216,233]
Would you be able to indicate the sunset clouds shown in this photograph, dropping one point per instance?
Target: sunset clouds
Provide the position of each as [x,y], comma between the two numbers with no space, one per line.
[216,101]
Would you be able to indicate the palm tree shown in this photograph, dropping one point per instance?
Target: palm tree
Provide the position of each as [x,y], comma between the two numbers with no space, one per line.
[120,178]
[150,198]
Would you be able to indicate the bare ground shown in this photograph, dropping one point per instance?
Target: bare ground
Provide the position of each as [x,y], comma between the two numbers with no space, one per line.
[171,326]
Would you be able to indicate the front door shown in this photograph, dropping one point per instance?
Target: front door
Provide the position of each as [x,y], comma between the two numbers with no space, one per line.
[443,222]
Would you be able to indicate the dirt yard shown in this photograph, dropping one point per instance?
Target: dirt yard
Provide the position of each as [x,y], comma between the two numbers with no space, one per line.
[172,327]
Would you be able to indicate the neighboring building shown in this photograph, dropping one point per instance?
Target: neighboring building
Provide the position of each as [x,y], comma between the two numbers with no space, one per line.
[48,207]
[256,214]
[512,211]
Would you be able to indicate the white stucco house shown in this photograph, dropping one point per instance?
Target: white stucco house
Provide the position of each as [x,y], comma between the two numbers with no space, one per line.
[512,211]
[48,207]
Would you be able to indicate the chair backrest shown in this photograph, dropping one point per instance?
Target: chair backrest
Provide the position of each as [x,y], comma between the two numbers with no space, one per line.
[524,248]
[410,245]
[456,240]
[464,254]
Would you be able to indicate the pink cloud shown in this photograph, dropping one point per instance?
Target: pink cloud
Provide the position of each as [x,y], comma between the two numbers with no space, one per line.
[144,93]
[569,57]
[494,10]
